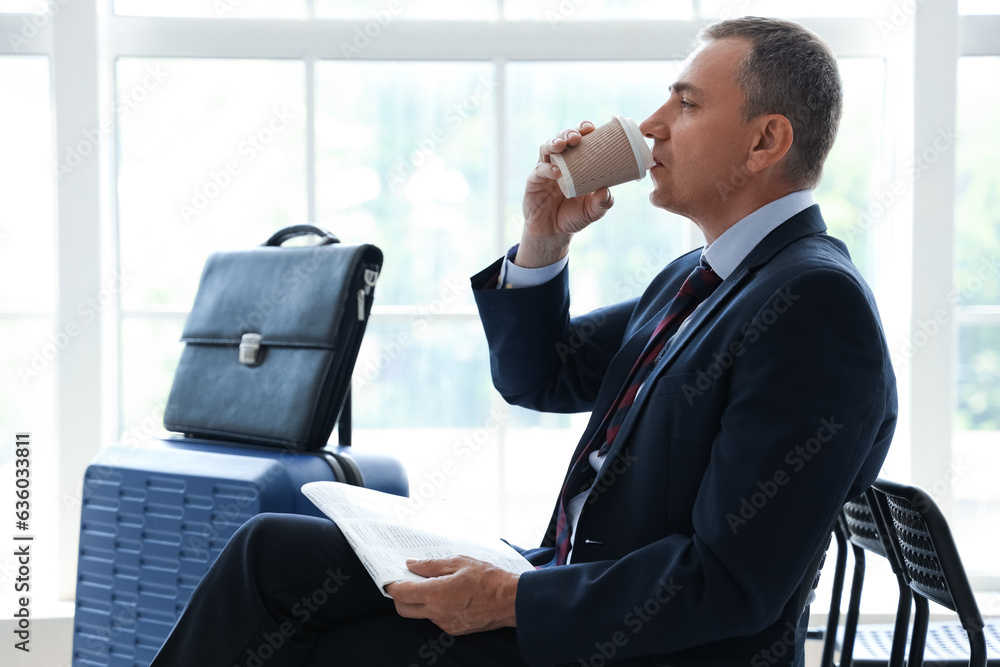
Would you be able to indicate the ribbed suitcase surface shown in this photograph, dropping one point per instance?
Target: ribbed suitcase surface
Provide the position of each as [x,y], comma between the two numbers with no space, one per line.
[154,518]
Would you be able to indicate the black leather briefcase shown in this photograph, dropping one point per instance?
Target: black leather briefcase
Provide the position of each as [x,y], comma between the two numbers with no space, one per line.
[271,342]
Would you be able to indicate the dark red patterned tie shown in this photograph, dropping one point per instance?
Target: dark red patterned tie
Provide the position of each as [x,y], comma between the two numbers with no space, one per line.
[698,287]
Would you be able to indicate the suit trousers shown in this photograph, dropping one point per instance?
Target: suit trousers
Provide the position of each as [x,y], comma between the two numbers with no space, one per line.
[289,590]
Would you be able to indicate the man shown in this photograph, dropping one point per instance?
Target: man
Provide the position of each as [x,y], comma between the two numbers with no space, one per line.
[736,405]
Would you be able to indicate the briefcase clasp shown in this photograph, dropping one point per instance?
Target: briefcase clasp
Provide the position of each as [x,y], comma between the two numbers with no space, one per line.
[250,349]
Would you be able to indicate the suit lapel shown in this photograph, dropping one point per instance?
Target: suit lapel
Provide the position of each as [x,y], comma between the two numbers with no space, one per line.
[625,358]
[803,224]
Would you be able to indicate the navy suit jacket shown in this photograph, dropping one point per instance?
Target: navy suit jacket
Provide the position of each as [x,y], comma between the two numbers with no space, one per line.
[771,407]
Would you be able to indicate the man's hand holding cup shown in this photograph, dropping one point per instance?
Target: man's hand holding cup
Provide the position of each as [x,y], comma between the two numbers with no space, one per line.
[568,188]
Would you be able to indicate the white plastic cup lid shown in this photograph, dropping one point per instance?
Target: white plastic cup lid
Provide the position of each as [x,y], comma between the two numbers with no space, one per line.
[643,156]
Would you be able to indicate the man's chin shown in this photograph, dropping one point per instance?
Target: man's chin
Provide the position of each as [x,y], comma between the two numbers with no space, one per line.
[661,199]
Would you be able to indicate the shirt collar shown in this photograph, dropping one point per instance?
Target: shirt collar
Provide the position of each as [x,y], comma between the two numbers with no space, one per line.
[733,246]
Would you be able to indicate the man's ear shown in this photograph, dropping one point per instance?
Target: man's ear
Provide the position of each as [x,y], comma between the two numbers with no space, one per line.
[771,140]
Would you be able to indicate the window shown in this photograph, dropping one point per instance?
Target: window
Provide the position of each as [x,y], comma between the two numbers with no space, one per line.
[32,345]
[290,9]
[212,157]
[976,440]
[418,138]
[978,7]
[18,7]
[556,11]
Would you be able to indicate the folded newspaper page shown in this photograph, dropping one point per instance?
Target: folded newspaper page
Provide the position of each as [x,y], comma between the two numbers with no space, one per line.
[385,530]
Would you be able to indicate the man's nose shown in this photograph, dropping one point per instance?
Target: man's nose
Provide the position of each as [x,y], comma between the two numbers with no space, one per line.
[655,126]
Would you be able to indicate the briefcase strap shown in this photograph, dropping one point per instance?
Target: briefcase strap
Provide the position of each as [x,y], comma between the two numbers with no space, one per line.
[344,468]
[344,423]
[292,231]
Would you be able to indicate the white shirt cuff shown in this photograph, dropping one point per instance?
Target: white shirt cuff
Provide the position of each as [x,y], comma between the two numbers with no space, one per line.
[513,276]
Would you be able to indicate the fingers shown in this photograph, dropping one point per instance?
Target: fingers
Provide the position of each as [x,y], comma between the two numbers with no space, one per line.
[598,203]
[408,594]
[413,597]
[570,137]
[543,172]
[435,567]
[411,609]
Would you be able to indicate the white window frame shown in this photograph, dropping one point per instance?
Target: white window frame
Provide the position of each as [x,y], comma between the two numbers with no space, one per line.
[85,38]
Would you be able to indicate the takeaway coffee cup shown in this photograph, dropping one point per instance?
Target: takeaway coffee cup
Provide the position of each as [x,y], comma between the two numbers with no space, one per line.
[613,153]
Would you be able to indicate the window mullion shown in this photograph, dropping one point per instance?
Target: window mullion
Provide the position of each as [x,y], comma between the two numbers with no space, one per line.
[77,130]
[932,388]
[310,63]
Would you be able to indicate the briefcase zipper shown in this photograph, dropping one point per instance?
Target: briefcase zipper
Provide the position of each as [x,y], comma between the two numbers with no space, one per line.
[370,276]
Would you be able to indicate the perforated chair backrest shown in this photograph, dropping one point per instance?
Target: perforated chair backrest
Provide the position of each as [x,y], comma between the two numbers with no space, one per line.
[865,529]
[863,523]
[928,550]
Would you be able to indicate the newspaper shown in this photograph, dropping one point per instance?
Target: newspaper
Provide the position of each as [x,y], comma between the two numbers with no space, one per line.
[384,530]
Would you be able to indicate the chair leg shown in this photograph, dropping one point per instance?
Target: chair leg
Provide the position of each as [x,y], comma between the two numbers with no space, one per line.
[853,607]
[897,656]
[836,594]
[977,648]
[919,640]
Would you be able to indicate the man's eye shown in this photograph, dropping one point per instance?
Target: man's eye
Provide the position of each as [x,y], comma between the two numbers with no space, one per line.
[685,103]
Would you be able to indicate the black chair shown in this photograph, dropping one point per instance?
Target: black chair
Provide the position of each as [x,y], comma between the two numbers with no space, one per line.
[829,634]
[864,528]
[868,530]
[932,565]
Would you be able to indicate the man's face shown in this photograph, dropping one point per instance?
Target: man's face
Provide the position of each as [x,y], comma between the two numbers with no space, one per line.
[700,144]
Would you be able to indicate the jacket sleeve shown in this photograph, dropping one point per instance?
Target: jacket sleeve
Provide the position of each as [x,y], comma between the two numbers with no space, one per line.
[540,358]
[808,394]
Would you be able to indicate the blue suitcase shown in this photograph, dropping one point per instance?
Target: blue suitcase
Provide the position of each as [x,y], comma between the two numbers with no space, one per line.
[155,517]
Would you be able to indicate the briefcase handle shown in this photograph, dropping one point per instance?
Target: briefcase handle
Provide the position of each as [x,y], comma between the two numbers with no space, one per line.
[283,235]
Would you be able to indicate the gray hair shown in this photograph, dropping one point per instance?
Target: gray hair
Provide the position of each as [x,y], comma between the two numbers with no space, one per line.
[792,72]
